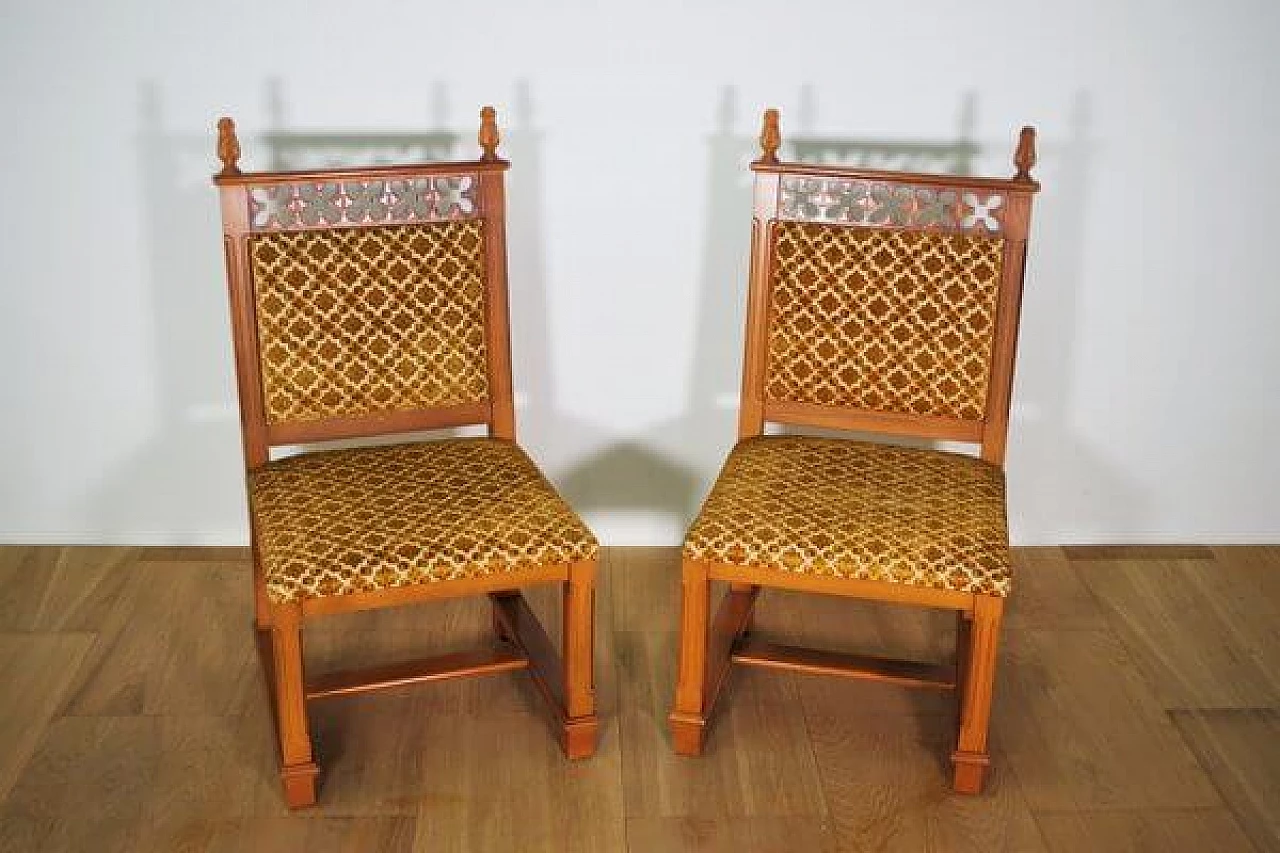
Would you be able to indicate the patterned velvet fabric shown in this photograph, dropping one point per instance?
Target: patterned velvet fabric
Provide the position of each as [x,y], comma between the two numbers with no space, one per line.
[359,321]
[884,320]
[851,509]
[347,521]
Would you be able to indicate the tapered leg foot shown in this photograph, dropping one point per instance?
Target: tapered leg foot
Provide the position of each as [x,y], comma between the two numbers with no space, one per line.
[300,785]
[688,734]
[970,771]
[580,736]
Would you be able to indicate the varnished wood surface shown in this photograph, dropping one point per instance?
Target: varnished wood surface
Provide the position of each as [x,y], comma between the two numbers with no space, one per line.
[388,172]
[1137,709]
[452,665]
[364,426]
[811,662]
[922,178]
[841,417]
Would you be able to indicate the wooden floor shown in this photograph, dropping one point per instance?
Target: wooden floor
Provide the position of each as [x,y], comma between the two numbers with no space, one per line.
[1138,708]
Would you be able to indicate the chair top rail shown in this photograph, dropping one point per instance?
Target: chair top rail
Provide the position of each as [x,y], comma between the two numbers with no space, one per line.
[931,179]
[453,168]
[231,175]
[1021,181]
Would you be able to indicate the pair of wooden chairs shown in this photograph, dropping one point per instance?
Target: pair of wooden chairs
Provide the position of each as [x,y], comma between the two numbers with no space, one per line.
[373,301]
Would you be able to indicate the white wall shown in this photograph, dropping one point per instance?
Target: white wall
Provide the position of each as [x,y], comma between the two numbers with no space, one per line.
[1147,398]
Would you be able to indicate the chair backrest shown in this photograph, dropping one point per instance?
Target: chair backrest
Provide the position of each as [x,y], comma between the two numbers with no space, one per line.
[882,301]
[367,301]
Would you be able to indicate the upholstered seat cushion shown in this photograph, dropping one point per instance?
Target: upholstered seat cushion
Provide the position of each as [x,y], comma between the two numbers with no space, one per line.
[347,521]
[853,509]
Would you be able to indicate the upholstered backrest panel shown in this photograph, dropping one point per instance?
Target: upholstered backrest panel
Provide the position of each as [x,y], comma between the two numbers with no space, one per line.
[373,320]
[886,320]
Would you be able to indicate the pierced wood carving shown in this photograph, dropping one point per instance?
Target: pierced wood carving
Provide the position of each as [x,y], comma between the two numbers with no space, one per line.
[883,203]
[325,204]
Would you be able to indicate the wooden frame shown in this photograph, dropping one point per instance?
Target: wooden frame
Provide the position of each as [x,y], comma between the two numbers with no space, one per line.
[566,681]
[709,645]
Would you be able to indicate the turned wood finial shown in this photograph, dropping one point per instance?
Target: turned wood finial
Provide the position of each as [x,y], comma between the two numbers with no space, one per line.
[1025,157]
[770,137]
[228,147]
[488,133]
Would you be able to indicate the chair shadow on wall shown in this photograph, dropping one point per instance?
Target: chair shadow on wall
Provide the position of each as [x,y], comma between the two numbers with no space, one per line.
[670,468]
[667,470]
[182,480]
[196,436]
[1041,438]
[195,443]
[629,475]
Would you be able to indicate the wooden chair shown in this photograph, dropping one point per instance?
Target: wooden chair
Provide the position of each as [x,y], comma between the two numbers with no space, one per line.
[368,302]
[887,303]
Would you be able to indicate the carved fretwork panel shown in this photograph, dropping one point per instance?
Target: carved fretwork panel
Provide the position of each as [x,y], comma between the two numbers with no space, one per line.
[328,204]
[888,204]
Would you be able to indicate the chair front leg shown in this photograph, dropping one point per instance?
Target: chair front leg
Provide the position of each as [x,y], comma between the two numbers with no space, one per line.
[297,771]
[688,719]
[979,659]
[581,723]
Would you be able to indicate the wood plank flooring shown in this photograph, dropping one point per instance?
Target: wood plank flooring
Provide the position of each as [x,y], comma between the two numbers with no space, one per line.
[1137,709]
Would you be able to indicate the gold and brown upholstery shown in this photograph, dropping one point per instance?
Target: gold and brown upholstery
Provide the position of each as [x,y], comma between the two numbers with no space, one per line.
[852,509]
[372,302]
[358,321]
[886,303]
[378,518]
[891,321]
